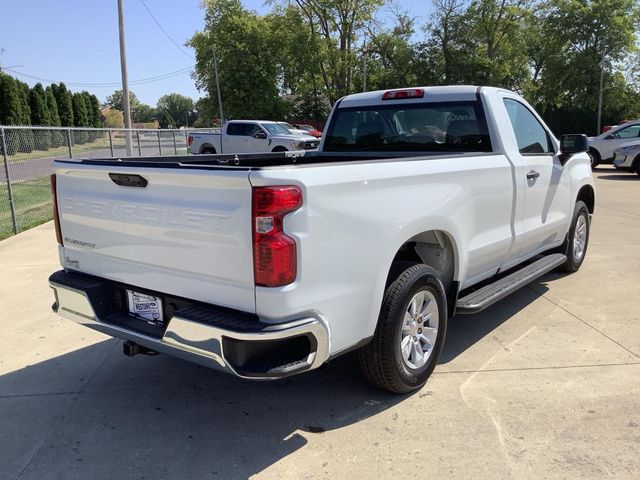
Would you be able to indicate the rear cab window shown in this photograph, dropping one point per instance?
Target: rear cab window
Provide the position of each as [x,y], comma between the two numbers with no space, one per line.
[458,126]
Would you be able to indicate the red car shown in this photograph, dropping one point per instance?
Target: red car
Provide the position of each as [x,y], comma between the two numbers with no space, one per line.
[314,132]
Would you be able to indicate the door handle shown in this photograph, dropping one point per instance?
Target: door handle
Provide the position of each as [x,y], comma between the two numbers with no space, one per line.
[532,175]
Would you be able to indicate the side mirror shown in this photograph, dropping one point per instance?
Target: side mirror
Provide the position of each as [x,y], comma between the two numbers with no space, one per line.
[572,144]
[260,135]
[609,137]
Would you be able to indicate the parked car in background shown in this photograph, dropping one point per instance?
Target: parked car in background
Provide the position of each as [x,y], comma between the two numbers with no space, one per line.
[627,157]
[602,147]
[292,129]
[249,136]
[310,129]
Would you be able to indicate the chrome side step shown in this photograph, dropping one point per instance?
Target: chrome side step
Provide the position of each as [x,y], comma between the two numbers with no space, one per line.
[486,296]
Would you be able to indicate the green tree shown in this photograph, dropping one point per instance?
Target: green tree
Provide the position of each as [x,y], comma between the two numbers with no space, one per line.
[57,137]
[40,116]
[10,110]
[65,104]
[249,78]
[80,118]
[140,112]
[179,107]
[115,100]
[166,120]
[144,113]
[26,138]
[10,104]
[337,26]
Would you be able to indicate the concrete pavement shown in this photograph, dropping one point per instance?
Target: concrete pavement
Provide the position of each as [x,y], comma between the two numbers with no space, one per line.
[545,384]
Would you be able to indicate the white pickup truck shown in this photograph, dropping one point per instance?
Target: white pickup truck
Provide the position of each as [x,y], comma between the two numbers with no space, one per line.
[250,136]
[419,203]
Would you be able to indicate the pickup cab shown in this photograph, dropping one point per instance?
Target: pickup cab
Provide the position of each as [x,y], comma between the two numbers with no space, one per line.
[419,204]
[249,136]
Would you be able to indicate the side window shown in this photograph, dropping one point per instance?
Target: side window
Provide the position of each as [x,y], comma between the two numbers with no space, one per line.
[236,129]
[530,134]
[252,129]
[629,132]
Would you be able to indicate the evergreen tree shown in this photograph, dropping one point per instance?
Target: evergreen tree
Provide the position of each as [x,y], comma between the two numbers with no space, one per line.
[57,137]
[40,116]
[10,110]
[10,107]
[80,118]
[65,104]
[25,137]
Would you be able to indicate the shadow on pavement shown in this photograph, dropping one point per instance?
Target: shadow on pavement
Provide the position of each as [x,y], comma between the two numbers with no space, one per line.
[161,417]
[622,176]
[463,331]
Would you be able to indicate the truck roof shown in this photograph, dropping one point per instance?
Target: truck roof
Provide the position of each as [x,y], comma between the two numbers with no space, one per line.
[431,94]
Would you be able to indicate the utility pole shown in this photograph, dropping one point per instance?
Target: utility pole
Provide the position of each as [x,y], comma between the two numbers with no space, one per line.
[364,63]
[215,68]
[125,81]
[2,50]
[600,94]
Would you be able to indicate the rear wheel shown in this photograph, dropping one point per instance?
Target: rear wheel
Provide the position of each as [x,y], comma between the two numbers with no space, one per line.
[410,332]
[208,151]
[636,165]
[575,246]
[594,157]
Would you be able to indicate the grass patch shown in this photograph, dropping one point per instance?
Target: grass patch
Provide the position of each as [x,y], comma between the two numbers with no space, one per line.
[63,151]
[32,201]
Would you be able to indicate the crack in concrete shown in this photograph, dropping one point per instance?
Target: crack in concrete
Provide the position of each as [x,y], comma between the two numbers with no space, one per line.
[524,369]
[583,321]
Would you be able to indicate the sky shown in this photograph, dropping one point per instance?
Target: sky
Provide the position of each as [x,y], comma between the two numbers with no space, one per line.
[76,41]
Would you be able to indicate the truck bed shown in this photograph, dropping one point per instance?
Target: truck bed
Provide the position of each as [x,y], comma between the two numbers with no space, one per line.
[254,161]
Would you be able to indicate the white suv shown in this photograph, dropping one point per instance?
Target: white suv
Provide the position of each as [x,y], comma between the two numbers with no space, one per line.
[602,147]
[627,157]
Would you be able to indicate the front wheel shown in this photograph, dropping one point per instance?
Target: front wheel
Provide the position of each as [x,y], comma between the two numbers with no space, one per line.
[575,246]
[594,157]
[410,332]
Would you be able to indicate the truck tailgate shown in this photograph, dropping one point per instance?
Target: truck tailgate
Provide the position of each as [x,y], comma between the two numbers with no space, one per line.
[186,233]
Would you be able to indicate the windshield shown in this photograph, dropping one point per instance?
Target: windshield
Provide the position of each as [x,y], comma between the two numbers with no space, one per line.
[275,129]
[425,127]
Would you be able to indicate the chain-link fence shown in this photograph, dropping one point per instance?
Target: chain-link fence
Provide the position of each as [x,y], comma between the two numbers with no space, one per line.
[28,154]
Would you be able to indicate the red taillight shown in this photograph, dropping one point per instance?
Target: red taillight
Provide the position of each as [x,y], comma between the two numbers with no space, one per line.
[274,252]
[401,94]
[189,140]
[56,216]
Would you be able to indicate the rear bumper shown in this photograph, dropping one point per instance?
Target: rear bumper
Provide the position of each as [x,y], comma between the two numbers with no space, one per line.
[227,340]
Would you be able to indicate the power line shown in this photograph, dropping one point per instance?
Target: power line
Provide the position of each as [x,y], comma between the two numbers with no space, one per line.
[140,81]
[165,32]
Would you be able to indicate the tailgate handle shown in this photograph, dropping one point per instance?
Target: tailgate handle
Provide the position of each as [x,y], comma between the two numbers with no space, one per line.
[128,180]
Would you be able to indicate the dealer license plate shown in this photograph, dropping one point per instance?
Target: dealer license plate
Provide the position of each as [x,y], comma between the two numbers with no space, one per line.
[145,307]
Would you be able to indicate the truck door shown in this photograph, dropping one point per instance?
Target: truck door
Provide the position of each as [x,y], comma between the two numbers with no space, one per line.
[258,139]
[236,139]
[547,198]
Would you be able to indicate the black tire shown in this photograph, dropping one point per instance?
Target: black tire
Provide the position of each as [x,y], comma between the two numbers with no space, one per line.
[594,157]
[279,149]
[381,360]
[208,151]
[573,263]
[636,165]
